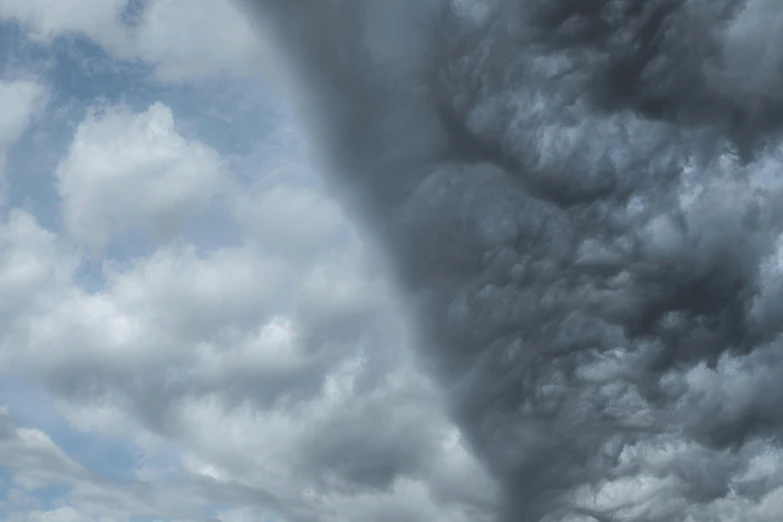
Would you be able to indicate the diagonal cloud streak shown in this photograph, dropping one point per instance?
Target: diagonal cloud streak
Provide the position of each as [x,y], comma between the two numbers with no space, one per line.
[582,202]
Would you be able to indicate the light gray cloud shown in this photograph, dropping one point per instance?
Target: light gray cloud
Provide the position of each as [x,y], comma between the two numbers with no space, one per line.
[182,40]
[194,40]
[21,100]
[35,462]
[270,375]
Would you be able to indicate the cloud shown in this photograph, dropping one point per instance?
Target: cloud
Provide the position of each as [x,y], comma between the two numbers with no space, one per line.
[128,170]
[289,219]
[36,463]
[64,514]
[263,373]
[47,19]
[20,446]
[578,204]
[182,40]
[196,39]
[265,412]
[35,270]
[20,102]
[289,345]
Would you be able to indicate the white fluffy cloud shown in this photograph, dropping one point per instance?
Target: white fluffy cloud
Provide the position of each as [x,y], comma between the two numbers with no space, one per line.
[191,39]
[266,374]
[35,272]
[19,446]
[126,170]
[264,400]
[287,346]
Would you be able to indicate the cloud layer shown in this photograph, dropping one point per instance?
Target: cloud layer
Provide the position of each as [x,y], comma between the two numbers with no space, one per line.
[579,203]
[190,327]
[582,203]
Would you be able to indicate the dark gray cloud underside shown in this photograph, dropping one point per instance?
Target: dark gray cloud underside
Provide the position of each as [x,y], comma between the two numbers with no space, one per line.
[581,200]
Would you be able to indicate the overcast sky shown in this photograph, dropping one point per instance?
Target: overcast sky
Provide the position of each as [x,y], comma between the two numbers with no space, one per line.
[190,329]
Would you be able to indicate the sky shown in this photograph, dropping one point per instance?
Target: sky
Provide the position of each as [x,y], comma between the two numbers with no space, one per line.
[580,206]
[410,261]
[191,329]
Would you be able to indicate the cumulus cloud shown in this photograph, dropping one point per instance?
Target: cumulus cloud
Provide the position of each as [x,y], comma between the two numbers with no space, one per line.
[127,170]
[264,377]
[35,269]
[582,204]
[47,19]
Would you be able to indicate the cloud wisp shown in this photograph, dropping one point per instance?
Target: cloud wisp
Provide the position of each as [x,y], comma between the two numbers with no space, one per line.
[581,201]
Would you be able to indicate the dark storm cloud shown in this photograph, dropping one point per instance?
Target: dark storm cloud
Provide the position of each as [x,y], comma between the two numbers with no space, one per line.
[582,202]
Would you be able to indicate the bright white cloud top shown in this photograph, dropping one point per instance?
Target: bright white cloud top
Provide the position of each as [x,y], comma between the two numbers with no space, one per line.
[126,170]
[190,328]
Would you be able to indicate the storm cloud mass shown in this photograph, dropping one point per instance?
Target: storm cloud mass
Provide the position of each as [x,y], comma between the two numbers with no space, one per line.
[582,202]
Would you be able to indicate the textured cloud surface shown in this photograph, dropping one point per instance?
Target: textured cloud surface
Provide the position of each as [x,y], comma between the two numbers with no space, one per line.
[191,330]
[582,202]
[127,170]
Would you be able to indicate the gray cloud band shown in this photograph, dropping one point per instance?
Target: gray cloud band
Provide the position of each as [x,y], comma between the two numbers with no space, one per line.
[581,200]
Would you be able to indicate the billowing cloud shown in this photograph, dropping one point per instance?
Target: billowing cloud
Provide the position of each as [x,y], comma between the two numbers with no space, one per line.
[582,203]
[308,409]
[127,170]
[264,375]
